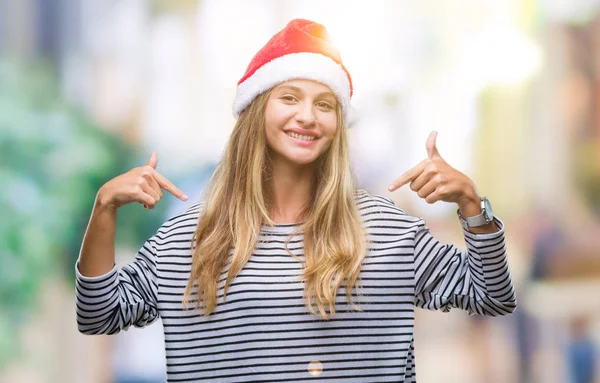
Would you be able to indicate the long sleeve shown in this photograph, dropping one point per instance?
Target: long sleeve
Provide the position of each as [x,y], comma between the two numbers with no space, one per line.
[477,280]
[113,302]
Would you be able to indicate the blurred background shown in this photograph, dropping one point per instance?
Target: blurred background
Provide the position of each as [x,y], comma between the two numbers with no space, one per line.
[89,88]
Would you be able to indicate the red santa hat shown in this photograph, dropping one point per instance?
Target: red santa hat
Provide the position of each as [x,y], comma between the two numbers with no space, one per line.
[302,49]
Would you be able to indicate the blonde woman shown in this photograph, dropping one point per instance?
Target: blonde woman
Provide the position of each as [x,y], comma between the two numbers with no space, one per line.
[285,271]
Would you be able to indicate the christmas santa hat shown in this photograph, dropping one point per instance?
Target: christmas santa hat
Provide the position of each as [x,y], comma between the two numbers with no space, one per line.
[302,49]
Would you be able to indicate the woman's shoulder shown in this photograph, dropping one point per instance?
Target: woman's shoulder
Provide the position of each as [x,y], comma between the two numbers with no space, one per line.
[183,220]
[378,207]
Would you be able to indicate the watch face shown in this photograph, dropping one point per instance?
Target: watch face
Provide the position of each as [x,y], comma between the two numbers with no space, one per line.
[489,215]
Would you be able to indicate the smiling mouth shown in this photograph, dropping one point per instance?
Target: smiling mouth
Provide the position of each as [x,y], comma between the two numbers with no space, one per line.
[301,137]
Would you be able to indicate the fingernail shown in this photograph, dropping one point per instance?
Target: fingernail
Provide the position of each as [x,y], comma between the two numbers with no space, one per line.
[391,187]
[185,197]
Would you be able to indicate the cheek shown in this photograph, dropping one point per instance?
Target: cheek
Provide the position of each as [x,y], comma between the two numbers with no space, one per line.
[269,116]
[277,113]
[275,120]
[329,124]
[271,122]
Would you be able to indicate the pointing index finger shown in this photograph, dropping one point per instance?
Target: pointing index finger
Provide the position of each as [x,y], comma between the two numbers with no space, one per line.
[168,186]
[407,177]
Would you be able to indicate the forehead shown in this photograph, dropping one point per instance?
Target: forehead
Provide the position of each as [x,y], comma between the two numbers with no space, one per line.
[304,85]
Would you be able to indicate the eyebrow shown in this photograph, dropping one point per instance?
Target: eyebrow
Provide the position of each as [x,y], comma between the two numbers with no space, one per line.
[296,89]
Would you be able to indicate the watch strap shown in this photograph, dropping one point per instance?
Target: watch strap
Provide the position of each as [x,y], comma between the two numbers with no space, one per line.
[478,220]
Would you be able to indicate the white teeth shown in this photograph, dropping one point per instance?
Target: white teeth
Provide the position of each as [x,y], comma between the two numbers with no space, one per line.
[301,137]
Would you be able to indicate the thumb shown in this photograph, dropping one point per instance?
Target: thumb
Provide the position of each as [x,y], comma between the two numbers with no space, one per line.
[430,145]
[153,161]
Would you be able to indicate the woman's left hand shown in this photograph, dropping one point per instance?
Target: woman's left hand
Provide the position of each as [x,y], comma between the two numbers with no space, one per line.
[434,180]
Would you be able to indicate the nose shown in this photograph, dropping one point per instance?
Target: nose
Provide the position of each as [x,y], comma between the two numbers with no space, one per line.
[304,114]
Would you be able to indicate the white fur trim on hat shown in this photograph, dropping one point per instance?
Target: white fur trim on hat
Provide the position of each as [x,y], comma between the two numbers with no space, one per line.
[305,65]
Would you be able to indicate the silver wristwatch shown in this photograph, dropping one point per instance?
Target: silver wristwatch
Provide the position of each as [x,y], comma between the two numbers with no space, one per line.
[484,218]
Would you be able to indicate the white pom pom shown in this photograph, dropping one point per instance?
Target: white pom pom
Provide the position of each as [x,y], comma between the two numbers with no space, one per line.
[351,116]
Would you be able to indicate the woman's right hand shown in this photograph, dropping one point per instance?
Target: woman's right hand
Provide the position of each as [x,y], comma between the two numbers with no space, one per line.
[142,184]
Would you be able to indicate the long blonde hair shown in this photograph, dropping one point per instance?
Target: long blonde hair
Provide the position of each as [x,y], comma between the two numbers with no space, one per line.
[237,204]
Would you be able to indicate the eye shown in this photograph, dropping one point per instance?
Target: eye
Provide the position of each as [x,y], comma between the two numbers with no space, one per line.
[324,105]
[288,97]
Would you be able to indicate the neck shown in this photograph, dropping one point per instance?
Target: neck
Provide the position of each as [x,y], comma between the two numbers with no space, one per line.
[291,187]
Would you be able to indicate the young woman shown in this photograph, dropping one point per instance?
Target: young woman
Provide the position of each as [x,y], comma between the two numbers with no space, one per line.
[286,272]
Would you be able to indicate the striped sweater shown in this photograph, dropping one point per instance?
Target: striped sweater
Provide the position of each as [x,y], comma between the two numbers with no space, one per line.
[264,332]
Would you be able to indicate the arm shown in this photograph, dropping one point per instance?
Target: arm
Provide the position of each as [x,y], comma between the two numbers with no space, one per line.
[109,303]
[97,256]
[477,279]
[107,300]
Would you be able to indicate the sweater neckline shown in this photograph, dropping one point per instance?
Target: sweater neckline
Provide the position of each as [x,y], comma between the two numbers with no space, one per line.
[282,227]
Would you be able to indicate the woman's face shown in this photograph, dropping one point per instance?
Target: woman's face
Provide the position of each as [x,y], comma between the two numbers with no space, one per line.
[300,121]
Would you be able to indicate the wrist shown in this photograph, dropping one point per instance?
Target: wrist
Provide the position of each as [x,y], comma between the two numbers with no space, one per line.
[470,205]
[477,217]
[104,202]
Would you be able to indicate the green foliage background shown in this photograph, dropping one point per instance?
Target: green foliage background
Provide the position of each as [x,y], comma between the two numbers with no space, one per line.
[53,159]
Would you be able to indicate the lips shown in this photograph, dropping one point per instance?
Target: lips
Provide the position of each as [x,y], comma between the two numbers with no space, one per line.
[301,138]
[303,132]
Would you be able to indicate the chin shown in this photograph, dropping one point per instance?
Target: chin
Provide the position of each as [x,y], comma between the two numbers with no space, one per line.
[298,156]
[302,160]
